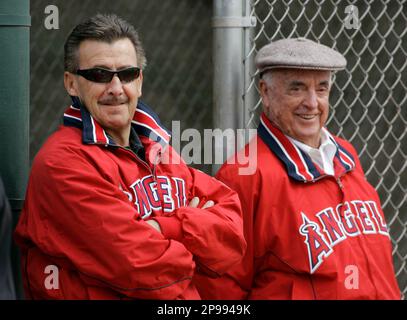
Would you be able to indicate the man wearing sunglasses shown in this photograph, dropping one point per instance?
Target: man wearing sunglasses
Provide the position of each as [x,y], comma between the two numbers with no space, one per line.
[111,210]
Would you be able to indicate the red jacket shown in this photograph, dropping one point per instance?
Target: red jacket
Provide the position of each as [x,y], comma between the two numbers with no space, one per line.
[309,235]
[85,211]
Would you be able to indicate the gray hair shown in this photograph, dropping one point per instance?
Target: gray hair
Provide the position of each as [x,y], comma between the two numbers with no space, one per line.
[267,76]
[105,28]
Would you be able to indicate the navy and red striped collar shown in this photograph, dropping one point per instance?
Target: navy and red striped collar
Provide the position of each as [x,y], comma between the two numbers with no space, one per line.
[145,122]
[298,164]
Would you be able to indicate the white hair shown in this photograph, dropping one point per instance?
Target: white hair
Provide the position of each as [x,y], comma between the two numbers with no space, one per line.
[267,77]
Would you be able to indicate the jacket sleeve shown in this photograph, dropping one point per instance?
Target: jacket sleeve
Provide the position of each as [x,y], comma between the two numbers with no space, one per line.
[78,216]
[237,282]
[214,235]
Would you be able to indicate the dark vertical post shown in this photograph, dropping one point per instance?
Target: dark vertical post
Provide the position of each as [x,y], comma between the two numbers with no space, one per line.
[15,24]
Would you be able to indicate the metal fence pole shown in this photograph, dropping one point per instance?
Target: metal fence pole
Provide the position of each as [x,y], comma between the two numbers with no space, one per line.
[228,53]
[15,24]
[249,92]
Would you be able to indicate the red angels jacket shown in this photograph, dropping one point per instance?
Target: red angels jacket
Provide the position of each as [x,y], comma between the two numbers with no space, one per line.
[86,206]
[309,235]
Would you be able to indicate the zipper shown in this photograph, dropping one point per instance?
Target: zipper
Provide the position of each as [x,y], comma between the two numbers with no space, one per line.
[158,155]
[145,164]
[340,184]
[339,181]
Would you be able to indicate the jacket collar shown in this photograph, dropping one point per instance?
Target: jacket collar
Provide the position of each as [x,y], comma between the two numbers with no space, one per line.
[298,164]
[145,122]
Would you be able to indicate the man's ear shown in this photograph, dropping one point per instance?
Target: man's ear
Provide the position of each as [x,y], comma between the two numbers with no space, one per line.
[264,92]
[70,84]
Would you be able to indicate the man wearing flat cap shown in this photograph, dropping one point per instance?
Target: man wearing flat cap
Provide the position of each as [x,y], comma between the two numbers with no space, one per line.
[313,224]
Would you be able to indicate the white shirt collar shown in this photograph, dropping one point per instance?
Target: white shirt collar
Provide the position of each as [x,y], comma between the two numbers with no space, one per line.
[324,155]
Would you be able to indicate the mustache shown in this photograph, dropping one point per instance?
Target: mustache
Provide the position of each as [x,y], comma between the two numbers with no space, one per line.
[113,100]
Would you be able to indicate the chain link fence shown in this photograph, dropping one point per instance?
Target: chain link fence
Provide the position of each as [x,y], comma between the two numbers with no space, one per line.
[368,100]
[177,38]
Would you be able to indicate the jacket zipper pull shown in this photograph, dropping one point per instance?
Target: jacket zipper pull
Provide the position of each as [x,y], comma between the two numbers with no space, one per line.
[157,157]
[153,172]
[339,183]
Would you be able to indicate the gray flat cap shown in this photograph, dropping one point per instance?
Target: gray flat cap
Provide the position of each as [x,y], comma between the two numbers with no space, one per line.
[299,53]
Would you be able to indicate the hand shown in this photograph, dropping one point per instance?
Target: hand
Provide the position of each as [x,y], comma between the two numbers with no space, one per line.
[154,224]
[195,202]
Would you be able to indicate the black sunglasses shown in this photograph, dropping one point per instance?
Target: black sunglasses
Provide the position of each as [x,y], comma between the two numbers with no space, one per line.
[101,75]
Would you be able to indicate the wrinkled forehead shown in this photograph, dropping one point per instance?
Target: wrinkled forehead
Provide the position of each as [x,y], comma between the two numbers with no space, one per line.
[119,53]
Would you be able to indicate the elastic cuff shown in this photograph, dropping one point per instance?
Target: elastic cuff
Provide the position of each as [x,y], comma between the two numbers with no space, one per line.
[170,227]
